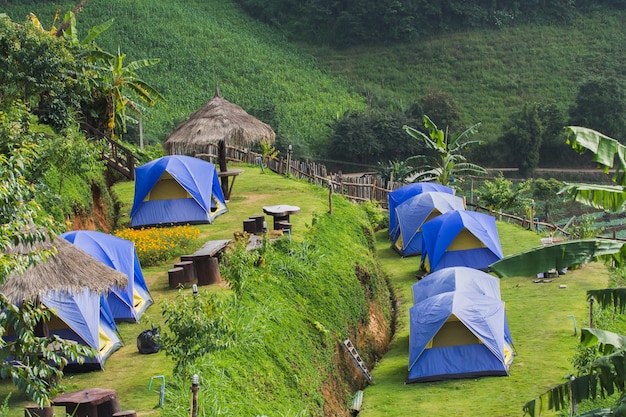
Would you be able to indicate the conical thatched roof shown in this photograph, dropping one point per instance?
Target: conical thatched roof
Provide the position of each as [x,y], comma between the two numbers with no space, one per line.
[70,268]
[215,121]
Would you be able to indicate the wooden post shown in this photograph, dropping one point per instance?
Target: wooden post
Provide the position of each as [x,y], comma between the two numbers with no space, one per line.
[194,395]
[221,158]
[591,300]
[288,170]
[330,196]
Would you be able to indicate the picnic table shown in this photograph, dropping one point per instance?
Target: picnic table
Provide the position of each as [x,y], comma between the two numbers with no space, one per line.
[281,213]
[232,173]
[212,247]
[90,402]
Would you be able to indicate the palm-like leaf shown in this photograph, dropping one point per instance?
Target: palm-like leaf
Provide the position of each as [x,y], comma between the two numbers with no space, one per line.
[607,152]
[606,197]
[609,297]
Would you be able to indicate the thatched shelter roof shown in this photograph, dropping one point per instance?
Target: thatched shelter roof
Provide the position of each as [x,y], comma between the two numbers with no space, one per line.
[215,121]
[70,268]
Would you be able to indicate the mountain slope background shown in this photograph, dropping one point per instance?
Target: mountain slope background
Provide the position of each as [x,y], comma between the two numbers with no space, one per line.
[301,90]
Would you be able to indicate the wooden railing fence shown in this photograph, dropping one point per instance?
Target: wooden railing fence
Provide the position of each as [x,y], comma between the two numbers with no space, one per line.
[359,188]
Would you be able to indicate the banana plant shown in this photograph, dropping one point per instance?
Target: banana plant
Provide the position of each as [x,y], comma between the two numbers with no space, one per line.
[121,87]
[449,161]
[610,155]
[606,377]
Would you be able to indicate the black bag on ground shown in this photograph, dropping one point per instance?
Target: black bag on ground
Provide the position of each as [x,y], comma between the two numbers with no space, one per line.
[148,341]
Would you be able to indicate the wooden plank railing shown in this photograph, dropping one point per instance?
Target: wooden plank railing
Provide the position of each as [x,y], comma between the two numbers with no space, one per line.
[362,188]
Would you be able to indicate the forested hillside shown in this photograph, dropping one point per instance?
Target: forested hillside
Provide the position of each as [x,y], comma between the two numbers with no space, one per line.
[366,21]
[528,71]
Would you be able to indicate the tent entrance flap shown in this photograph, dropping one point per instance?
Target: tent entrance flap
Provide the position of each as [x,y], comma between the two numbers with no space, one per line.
[454,333]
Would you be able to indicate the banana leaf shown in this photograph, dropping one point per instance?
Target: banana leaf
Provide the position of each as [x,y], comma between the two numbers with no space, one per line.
[555,256]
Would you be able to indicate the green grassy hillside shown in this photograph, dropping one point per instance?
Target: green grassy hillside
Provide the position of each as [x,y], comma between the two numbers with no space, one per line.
[299,90]
[204,43]
[490,73]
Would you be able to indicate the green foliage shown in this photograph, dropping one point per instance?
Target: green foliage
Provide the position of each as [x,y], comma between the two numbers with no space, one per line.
[121,87]
[268,151]
[19,212]
[374,213]
[501,195]
[394,171]
[585,227]
[38,69]
[546,191]
[601,105]
[197,325]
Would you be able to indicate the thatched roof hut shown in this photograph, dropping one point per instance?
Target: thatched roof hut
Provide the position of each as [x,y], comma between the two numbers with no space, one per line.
[217,120]
[70,268]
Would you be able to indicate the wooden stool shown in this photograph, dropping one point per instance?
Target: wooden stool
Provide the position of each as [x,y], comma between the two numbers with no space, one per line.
[187,268]
[249,226]
[259,220]
[208,270]
[176,277]
[34,411]
[185,258]
[125,413]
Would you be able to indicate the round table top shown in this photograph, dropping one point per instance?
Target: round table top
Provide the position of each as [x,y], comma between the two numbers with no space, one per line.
[281,210]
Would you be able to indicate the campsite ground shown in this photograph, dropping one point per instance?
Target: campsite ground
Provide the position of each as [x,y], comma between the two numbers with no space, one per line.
[537,314]
[542,331]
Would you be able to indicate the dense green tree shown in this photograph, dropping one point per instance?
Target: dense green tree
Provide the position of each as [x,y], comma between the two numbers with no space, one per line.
[523,139]
[601,105]
[546,191]
[442,109]
[38,68]
[501,194]
[371,136]
[362,21]
[554,150]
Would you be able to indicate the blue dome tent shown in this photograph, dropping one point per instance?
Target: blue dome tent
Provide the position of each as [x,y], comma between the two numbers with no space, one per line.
[460,238]
[176,189]
[414,212]
[397,197]
[458,334]
[126,303]
[457,278]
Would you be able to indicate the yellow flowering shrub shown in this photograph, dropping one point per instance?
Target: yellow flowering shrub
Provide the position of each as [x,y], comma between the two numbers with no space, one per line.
[157,244]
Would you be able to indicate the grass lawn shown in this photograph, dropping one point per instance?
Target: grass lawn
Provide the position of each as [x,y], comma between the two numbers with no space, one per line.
[542,332]
[129,372]
[537,314]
